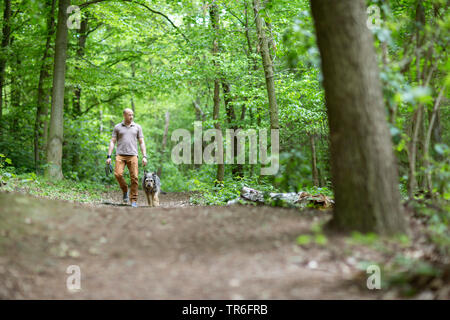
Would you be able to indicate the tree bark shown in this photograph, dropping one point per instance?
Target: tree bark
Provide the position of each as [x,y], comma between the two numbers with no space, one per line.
[363,166]
[42,101]
[6,33]
[54,147]
[215,19]
[267,65]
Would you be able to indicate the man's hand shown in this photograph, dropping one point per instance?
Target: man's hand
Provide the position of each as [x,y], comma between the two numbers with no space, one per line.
[112,142]
[144,152]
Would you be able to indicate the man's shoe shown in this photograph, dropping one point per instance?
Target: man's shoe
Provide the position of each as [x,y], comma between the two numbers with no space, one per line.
[134,204]
[125,197]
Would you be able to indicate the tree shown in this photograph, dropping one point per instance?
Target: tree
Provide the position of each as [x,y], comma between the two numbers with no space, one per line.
[82,37]
[6,33]
[215,19]
[54,147]
[40,126]
[164,143]
[363,169]
[263,43]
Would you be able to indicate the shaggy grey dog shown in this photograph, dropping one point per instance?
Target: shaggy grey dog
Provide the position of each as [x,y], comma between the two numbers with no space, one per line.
[152,188]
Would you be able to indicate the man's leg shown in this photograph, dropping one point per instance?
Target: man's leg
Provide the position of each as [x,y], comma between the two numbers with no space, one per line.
[132,164]
[118,173]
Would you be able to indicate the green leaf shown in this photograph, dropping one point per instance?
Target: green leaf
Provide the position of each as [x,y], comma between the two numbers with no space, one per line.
[303,239]
[321,239]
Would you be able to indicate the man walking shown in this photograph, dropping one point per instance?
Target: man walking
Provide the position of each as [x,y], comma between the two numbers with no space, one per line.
[127,133]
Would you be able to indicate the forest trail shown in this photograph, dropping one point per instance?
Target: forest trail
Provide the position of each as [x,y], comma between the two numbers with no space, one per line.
[176,251]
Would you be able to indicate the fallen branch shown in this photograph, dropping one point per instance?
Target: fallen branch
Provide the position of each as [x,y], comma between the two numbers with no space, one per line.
[300,199]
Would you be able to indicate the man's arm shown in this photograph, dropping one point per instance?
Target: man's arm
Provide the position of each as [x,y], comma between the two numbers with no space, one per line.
[112,142]
[144,151]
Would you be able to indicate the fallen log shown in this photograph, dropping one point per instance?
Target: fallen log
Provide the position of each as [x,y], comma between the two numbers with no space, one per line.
[300,199]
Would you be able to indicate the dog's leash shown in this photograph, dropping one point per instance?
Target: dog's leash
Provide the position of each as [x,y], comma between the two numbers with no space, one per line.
[108,169]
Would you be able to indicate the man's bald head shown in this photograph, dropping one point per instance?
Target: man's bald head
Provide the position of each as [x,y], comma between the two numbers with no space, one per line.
[128,115]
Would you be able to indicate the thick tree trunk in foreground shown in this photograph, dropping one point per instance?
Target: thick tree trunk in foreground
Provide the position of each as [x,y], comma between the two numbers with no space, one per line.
[363,166]
[214,14]
[267,65]
[6,33]
[55,141]
[42,109]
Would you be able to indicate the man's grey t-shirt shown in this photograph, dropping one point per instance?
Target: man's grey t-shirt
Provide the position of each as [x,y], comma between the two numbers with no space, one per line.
[127,138]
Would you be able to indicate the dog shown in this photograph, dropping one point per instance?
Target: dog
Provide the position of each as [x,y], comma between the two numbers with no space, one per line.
[152,188]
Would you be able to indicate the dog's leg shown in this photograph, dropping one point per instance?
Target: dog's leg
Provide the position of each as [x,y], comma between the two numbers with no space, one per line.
[148,199]
[156,199]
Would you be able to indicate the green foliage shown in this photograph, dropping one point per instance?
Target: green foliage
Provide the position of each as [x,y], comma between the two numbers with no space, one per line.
[221,193]
[35,185]
[440,170]
[410,276]
[437,219]
[7,171]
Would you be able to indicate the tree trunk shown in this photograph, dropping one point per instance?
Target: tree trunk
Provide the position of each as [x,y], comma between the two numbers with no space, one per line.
[231,119]
[363,167]
[315,173]
[199,114]
[417,119]
[250,52]
[428,139]
[100,119]
[83,33]
[6,33]
[133,73]
[267,65]
[54,147]
[214,14]
[42,101]
[270,40]
[76,100]
[16,88]
[164,142]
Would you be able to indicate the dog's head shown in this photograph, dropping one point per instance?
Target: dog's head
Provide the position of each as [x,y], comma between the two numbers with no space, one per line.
[149,180]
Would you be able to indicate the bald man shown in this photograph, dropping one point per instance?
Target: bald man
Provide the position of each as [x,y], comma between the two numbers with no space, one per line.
[126,134]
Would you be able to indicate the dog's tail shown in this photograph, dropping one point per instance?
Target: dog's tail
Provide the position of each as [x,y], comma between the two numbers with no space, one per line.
[163,192]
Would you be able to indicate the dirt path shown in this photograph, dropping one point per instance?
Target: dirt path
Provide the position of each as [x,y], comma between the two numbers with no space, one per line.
[176,251]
